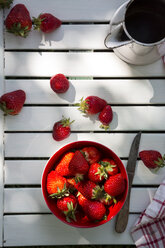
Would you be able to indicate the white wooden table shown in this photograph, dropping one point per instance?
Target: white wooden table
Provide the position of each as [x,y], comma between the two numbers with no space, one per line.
[77,50]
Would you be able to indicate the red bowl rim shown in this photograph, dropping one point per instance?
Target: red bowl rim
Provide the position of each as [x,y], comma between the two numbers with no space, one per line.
[67,147]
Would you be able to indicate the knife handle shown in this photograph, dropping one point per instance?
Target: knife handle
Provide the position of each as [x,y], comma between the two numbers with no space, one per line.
[122,217]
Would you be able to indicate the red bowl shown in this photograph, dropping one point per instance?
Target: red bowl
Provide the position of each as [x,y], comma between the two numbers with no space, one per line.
[113,210]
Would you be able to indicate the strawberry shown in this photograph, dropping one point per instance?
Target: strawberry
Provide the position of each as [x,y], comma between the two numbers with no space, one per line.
[12,102]
[59,83]
[96,173]
[89,189]
[107,199]
[56,185]
[62,167]
[152,159]
[115,185]
[46,22]
[5,3]
[110,166]
[61,129]
[95,210]
[91,104]
[106,116]
[68,205]
[82,201]
[78,165]
[18,21]
[91,154]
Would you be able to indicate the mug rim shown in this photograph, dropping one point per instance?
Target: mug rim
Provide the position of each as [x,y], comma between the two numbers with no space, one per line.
[133,39]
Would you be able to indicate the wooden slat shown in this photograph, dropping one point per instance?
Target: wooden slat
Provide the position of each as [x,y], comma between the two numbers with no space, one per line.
[85,37]
[30,230]
[99,64]
[73,10]
[1,124]
[42,144]
[149,91]
[124,119]
[23,200]
[24,172]
[29,172]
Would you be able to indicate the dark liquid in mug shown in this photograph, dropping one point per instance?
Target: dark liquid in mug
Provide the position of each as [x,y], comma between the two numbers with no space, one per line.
[145,21]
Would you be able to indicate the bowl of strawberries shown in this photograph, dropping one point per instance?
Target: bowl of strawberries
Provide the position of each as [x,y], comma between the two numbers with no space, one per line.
[84,184]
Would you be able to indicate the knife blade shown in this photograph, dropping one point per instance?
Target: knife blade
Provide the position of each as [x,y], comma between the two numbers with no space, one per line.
[122,217]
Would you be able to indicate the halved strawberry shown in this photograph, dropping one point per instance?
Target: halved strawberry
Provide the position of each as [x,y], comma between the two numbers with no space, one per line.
[62,167]
[56,185]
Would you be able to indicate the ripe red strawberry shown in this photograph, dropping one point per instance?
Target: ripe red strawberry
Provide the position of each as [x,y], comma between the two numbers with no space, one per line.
[152,159]
[18,21]
[106,116]
[61,129]
[78,165]
[95,210]
[107,199]
[110,166]
[12,102]
[96,173]
[5,3]
[62,167]
[46,22]
[56,185]
[82,201]
[114,185]
[91,154]
[91,104]
[89,189]
[59,83]
[68,205]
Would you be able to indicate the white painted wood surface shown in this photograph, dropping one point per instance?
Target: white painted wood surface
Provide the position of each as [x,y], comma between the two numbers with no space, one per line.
[85,37]
[73,10]
[24,200]
[29,172]
[124,119]
[139,91]
[77,50]
[28,230]
[37,144]
[1,125]
[87,64]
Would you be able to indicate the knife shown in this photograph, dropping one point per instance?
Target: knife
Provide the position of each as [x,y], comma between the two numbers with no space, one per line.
[122,217]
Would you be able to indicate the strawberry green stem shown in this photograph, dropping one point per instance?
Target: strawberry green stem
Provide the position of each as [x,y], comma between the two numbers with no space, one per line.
[160,162]
[5,3]
[83,105]
[4,108]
